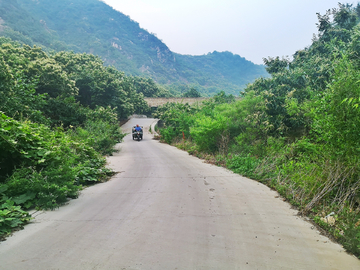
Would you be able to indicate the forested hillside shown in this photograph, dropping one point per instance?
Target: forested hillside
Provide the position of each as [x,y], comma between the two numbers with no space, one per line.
[91,26]
[298,131]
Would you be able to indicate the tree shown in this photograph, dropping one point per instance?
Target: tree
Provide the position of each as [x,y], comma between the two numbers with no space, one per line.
[146,86]
[18,97]
[275,65]
[345,17]
[192,93]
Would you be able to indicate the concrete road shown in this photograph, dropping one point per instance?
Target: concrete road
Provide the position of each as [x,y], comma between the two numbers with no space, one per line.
[168,210]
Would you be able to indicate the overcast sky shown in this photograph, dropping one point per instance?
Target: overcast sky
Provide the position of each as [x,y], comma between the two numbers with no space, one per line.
[250,28]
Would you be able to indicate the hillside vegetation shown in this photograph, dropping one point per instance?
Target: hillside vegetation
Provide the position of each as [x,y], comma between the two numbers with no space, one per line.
[90,26]
[297,132]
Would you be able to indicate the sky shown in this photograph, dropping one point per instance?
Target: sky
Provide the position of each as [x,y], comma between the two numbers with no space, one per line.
[253,29]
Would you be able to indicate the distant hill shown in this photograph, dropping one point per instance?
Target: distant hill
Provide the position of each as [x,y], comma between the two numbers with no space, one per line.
[92,26]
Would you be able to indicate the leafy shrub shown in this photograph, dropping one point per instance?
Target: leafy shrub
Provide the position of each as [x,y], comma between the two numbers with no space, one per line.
[11,216]
[206,131]
[244,165]
[49,186]
[168,134]
[100,131]
[21,144]
[176,118]
[45,162]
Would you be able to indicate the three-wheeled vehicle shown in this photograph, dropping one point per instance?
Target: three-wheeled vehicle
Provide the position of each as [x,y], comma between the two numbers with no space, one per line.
[137,134]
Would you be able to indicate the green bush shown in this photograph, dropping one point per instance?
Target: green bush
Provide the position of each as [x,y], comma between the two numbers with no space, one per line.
[11,216]
[176,120]
[100,131]
[207,132]
[45,162]
[244,165]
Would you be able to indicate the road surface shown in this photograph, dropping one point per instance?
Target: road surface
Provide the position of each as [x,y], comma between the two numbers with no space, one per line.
[168,210]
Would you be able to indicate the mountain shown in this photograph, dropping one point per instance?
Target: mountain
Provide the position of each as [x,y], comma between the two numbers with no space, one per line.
[91,26]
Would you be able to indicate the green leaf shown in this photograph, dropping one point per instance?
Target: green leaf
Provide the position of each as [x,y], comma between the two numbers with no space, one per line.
[23,198]
[3,188]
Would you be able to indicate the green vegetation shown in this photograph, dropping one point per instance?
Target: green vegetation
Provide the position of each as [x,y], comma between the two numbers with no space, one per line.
[90,26]
[59,114]
[216,72]
[297,132]
[192,93]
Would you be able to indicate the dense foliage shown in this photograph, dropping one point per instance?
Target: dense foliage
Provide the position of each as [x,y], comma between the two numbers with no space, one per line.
[192,93]
[59,114]
[90,26]
[297,131]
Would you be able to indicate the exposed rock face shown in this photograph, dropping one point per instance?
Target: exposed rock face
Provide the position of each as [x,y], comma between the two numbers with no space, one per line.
[116,46]
[143,36]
